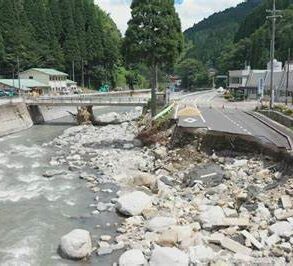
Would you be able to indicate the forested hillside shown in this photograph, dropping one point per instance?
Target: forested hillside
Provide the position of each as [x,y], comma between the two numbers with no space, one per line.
[211,35]
[56,33]
[229,39]
[252,42]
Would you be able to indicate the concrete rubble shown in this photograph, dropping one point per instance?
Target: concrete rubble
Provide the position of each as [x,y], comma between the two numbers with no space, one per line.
[182,206]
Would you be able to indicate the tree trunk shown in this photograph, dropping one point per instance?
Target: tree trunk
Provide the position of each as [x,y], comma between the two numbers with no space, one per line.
[154,91]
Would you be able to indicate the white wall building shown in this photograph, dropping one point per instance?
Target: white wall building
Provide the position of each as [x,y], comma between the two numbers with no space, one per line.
[56,80]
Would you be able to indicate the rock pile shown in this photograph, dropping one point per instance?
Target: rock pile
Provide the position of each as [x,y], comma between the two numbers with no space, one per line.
[182,206]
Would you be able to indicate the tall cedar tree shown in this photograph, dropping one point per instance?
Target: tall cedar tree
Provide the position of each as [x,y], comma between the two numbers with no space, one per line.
[153,37]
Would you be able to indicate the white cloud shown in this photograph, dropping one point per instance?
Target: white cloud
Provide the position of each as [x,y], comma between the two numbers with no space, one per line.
[190,11]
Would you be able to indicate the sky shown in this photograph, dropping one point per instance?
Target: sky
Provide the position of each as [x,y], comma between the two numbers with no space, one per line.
[190,11]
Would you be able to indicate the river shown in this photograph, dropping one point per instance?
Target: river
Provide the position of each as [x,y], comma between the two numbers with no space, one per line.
[35,212]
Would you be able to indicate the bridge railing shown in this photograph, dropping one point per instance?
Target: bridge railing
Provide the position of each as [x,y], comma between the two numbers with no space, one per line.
[86,100]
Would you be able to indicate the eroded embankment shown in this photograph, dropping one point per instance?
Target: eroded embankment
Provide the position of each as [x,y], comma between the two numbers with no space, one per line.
[14,118]
[181,206]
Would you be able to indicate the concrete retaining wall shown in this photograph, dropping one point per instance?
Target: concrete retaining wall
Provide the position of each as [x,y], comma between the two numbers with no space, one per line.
[14,118]
[279,117]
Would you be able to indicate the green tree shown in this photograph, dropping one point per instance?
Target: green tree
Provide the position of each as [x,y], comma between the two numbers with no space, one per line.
[193,73]
[153,37]
[133,78]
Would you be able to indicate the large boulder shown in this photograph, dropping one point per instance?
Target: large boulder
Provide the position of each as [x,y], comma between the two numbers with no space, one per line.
[109,118]
[168,256]
[160,223]
[134,203]
[133,257]
[76,245]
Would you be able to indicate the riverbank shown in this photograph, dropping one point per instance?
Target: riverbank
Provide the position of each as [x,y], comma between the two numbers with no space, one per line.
[179,205]
[14,118]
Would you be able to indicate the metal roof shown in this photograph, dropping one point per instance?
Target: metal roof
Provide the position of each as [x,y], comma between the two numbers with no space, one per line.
[25,84]
[49,71]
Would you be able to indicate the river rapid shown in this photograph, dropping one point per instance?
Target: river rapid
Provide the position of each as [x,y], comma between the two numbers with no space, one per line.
[35,211]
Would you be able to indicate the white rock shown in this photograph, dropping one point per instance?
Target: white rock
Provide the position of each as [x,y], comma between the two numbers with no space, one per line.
[133,257]
[158,224]
[230,212]
[144,179]
[240,163]
[104,251]
[211,215]
[201,254]
[160,152]
[76,245]
[134,203]
[281,228]
[105,238]
[168,256]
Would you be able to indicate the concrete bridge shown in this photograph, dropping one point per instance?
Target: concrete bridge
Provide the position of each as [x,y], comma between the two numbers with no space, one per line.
[87,101]
[124,98]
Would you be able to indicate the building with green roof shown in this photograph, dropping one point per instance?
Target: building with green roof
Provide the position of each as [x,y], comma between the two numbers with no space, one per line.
[24,85]
[56,80]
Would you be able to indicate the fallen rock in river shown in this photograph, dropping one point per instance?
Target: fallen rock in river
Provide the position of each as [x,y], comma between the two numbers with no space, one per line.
[168,256]
[133,257]
[134,203]
[76,245]
[51,173]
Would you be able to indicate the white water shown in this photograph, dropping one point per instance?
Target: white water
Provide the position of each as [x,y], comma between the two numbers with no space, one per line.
[35,212]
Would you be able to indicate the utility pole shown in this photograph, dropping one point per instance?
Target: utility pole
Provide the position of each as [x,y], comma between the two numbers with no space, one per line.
[18,74]
[73,70]
[288,71]
[274,14]
[82,73]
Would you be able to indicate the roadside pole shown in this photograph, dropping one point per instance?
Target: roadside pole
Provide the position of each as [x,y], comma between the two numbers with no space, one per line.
[18,72]
[274,15]
[288,72]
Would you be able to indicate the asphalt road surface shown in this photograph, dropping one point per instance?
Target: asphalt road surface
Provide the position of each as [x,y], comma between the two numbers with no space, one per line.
[213,112]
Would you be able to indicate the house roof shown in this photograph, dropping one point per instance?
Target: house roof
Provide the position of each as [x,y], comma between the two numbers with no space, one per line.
[25,84]
[49,71]
[254,78]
